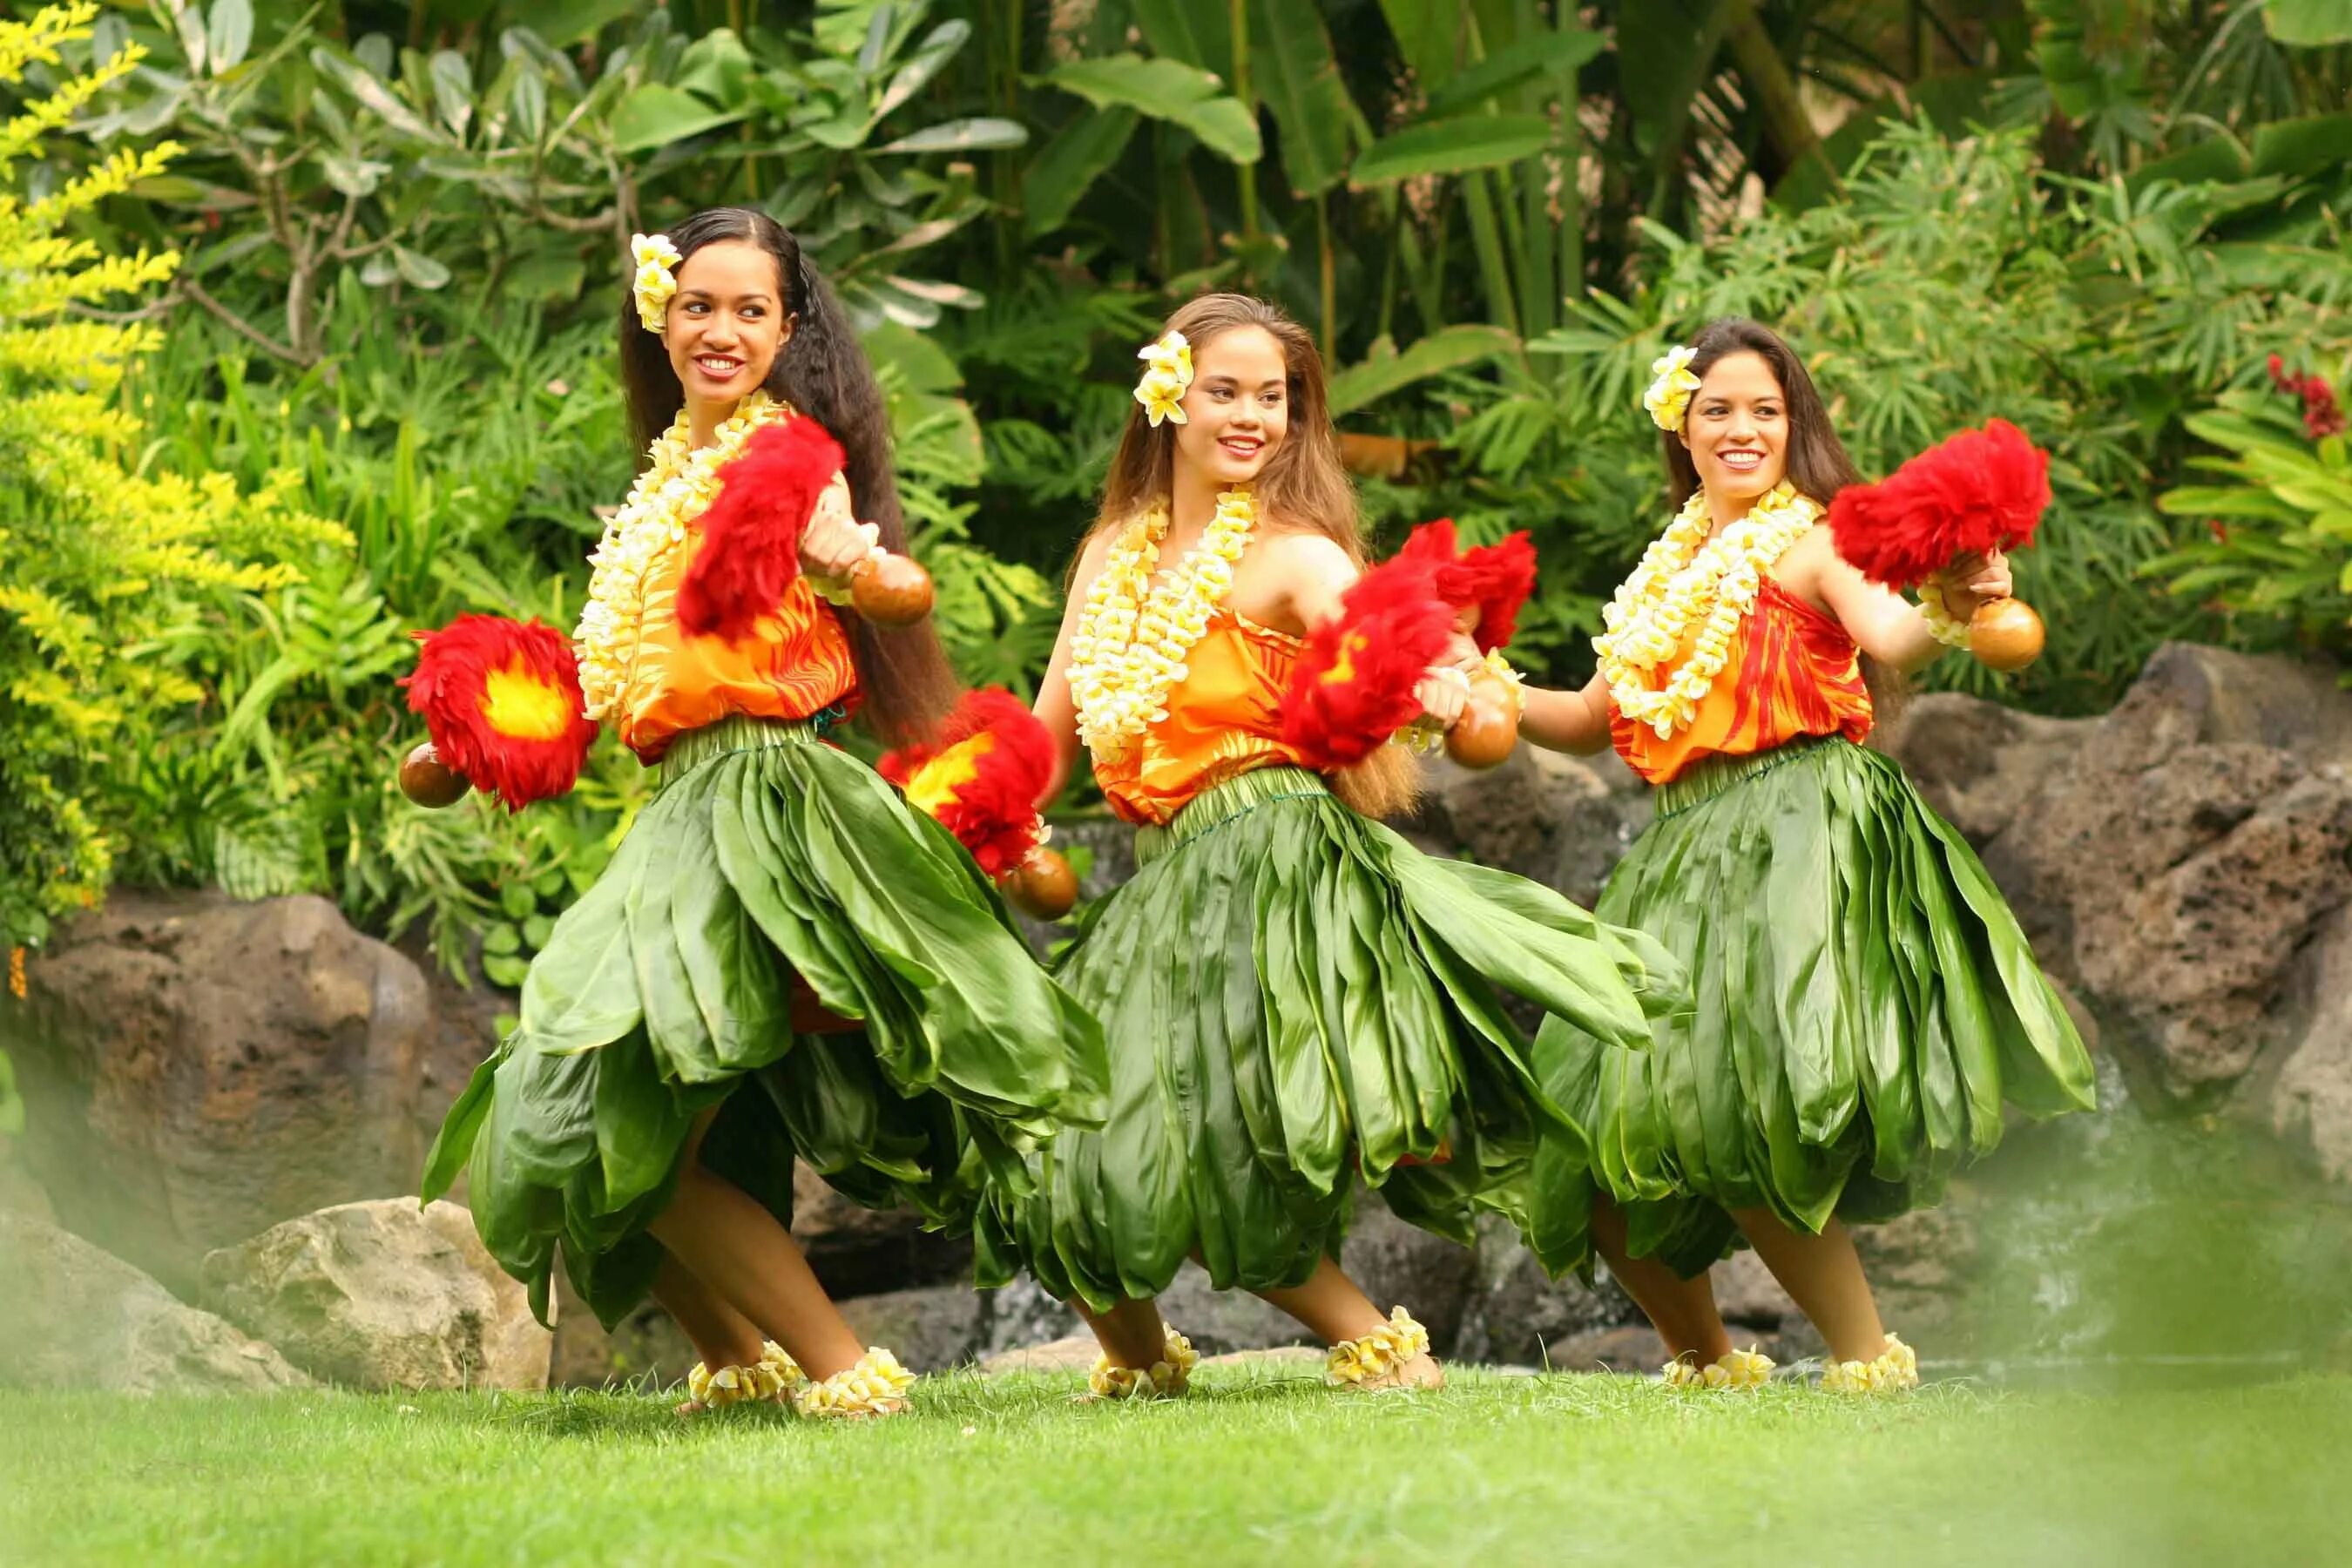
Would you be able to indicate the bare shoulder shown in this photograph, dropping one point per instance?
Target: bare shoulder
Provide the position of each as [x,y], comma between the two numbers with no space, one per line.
[1804,563]
[1293,552]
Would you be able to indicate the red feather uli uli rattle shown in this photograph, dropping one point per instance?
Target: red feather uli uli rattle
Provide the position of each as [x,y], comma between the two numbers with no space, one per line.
[1980,491]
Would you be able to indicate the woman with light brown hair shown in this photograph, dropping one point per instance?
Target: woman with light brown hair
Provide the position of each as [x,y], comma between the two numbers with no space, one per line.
[1293,998]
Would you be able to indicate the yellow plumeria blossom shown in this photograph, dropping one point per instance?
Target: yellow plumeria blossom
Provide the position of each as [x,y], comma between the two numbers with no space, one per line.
[775,1372]
[1686,578]
[657,280]
[1167,1378]
[1668,397]
[1750,1368]
[876,1385]
[1942,625]
[1132,637]
[679,483]
[1167,377]
[1379,1354]
[1895,1369]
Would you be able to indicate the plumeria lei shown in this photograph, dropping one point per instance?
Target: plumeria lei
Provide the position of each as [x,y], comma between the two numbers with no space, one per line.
[657,280]
[678,484]
[1167,375]
[1686,578]
[1133,637]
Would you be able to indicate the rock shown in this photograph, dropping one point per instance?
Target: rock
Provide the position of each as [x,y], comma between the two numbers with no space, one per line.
[858,1251]
[648,1349]
[1021,1313]
[1516,1316]
[2309,1101]
[20,1193]
[1748,1297]
[1220,1321]
[1631,1347]
[383,1295]
[196,1070]
[931,1329]
[1921,1268]
[74,1317]
[1072,1352]
[1977,762]
[1559,820]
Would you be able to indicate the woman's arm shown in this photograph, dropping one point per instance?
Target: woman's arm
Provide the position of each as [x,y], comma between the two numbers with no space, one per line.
[1055,707]
[1574,721]
[1883,625]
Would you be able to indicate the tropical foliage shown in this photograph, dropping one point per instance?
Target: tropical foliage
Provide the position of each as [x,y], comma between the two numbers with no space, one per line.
[399,231]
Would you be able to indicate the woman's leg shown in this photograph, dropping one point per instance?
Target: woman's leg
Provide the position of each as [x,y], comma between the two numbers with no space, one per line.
[1682,1311]
[721,1335]
[1823,1274]
[1334,1309]
[1131,1333]
[736,1248]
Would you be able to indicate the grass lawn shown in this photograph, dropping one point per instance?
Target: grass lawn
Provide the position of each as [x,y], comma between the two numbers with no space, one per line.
[1260,1465]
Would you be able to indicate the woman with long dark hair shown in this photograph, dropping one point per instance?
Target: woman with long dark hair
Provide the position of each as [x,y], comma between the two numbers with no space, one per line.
[1865,1002]
[783,960]
[1294,997]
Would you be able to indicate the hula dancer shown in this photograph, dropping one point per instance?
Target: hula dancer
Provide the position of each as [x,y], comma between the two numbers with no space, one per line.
[1293,998]
[1865,1001]
[783,960]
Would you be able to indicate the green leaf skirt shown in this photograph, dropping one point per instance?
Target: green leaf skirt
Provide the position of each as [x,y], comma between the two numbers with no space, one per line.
[1292,995]
[1864,1005]
[665,990]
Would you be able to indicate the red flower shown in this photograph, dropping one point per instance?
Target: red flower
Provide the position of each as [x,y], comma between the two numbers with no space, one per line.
[501,701]
[1978,491]
[2279,377]
[1494,578]
[752,532]
[1352,688]
[981,780]
[2220,529]
[2321,417]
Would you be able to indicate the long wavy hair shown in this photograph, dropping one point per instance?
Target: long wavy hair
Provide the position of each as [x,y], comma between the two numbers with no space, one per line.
[1303,486]
[1816,459]
[822,372]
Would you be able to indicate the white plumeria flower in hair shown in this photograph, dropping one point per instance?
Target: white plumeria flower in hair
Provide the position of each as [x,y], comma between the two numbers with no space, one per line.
[656,279]
[1167,377]
[1668,398]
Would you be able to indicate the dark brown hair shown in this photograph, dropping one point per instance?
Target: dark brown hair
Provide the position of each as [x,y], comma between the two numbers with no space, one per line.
[1816,459]
[822,372]
[1303,486]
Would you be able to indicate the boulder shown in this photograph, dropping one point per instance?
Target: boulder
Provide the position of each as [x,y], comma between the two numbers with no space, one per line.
[383,1295]
[74,1317]
[2309,1101]
[931,1328]
[859,1251]
[1517,1317]
[196,1070]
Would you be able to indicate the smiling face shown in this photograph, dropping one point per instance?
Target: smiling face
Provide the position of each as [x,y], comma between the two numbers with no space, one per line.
[1238,409]
[1737,430]
[727,322]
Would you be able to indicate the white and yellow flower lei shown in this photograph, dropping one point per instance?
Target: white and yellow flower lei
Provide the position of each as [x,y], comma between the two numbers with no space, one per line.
[1686,577]
[1750,1368]
[876,1385]
[656,279]
[1167,375]
[1668,397]
[1371,1357]
[679,483]
[1942,625]
[773,1373]
[1167,1378]
[1132,639]
[1895,1369]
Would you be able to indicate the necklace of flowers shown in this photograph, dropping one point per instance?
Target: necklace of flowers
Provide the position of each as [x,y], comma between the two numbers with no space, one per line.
[1132,639]
[1686,577]
[678,482]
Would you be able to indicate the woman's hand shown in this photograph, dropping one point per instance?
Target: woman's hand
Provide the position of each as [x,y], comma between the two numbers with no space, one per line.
[832,546]
[1444,694]
[1973,580]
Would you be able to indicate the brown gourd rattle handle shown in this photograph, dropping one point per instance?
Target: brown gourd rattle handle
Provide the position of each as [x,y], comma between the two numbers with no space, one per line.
[890,589]
[1489,730]
[2005,635]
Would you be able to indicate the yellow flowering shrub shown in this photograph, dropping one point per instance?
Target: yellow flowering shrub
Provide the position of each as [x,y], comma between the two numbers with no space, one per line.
[104,564]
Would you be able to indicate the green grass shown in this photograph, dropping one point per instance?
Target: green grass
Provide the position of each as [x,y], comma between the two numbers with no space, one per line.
[1257,1467]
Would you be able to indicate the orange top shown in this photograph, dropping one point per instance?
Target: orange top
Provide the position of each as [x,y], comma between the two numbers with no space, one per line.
[1792,671]
[794,664]
[1224,718]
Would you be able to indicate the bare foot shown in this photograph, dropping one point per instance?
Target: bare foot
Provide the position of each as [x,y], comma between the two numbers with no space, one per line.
[1421,1371]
